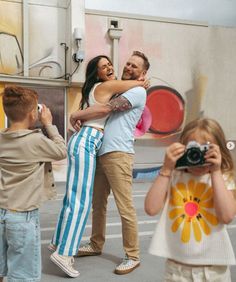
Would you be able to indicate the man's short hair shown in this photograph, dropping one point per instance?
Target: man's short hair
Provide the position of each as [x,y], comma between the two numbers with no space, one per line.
[18,101]
[144,57]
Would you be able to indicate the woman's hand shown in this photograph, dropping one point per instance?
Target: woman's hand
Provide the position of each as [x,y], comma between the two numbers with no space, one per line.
[213,157]
[76,123]
[173,153]
[145,82]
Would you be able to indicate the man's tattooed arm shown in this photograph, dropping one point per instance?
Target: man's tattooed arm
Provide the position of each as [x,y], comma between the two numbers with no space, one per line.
[119,104]
[116,104]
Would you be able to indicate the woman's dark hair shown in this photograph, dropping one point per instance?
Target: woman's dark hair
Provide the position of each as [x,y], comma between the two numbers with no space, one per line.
[91,77]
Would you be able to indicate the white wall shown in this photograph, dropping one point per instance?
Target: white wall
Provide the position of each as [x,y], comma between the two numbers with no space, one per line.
[215,12]
[197,60]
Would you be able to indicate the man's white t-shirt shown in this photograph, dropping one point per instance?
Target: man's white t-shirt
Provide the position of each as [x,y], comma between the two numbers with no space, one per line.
[120,126]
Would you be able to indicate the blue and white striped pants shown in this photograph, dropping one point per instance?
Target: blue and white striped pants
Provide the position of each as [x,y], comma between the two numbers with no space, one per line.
[82,151]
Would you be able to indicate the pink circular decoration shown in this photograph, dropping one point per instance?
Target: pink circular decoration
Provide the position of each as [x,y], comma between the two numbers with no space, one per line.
[144,123]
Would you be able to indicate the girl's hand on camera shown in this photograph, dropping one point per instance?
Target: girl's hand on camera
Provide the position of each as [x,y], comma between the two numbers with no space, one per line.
[173,153]
[213,157]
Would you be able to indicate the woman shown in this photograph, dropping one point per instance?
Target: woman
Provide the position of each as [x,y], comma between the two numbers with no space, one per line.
[100,85]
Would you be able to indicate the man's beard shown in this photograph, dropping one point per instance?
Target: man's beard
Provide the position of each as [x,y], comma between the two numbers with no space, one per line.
[127,76]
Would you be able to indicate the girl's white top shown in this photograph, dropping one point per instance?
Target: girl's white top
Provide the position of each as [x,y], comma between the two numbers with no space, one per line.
[189,231]
[100,122]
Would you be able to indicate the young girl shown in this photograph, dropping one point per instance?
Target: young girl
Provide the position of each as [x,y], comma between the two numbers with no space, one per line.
[99,87]
[197,202]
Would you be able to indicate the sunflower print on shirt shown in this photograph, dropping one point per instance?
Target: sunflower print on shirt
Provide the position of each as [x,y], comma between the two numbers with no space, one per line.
[191,206]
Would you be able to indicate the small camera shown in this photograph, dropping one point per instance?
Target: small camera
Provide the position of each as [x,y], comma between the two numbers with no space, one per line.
[193,156]
[40,107]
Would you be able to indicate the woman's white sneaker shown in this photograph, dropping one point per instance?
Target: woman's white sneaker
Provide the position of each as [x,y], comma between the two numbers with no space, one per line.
[65,263]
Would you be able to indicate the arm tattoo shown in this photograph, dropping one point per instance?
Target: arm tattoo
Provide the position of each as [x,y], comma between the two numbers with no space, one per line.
[119,104]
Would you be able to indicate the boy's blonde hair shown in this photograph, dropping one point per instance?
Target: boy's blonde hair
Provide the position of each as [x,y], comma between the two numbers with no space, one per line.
[214,129]
[18,102]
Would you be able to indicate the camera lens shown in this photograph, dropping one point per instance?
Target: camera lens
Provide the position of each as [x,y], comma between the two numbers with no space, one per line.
[194,156]
[40,108]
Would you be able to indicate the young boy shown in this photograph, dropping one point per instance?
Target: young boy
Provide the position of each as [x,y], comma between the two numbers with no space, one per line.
[25,181]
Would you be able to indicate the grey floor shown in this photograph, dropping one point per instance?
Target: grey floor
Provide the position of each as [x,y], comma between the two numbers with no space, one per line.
[100,268]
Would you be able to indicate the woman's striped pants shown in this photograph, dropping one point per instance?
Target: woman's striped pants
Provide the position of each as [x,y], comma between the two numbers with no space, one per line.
[82,150]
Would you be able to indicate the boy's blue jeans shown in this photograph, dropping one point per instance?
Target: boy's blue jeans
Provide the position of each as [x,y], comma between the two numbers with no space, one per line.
[20,246]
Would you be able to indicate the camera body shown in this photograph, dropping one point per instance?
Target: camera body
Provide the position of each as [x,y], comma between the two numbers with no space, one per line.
[193,156]
[40,106]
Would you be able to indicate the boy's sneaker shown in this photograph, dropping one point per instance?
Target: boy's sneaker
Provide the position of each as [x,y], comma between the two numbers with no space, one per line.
[127,266]
[52,248]
[65,263]
[87,250]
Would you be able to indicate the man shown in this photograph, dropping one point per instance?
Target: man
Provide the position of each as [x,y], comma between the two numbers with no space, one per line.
[115,164]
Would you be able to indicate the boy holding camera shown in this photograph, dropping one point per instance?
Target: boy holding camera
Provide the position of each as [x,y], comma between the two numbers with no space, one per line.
[26,180]
[196,192]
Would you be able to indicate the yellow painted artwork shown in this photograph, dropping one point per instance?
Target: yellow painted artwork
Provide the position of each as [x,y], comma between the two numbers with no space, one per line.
[2,117]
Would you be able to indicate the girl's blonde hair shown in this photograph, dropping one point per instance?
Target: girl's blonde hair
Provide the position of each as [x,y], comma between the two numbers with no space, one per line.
[212,128]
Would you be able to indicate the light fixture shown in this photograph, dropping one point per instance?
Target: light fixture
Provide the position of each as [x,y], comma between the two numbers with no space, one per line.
[78,56]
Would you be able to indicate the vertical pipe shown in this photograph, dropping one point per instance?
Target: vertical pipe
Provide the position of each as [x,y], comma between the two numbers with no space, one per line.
[25,38]
[115,34]
[66,125]
[115,55]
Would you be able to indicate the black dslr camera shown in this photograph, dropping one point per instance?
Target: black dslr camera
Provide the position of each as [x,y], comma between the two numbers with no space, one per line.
[193,156]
